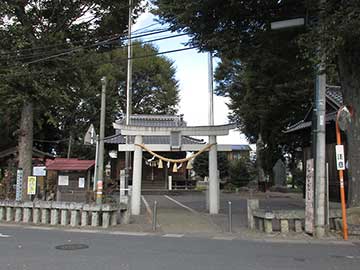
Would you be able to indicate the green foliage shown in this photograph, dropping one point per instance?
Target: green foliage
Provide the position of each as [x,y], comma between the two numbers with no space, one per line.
[201,165]
[241,172]
[66,89]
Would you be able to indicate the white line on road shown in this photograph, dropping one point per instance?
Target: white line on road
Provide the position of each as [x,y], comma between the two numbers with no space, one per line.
[173,235]
[228,238]
[148,209]
[4,235]
[180,204]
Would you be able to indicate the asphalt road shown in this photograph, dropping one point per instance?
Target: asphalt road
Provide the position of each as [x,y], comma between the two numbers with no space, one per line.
[35,249]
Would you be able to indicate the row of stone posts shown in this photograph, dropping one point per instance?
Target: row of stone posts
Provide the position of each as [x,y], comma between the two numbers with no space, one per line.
[59,213]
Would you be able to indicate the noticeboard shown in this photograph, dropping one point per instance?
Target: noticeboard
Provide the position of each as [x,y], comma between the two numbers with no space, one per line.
[309,196]
[31,185]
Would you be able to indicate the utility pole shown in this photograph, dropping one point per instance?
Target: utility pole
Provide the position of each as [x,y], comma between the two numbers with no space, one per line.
[100,172]
[320,153]
[128,95]
[211,89]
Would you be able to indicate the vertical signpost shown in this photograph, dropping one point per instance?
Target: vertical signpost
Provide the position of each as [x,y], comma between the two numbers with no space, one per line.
[19,183]
[309,197]
[343,120]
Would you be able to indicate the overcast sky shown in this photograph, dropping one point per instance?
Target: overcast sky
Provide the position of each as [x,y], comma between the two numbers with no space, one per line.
[192,74]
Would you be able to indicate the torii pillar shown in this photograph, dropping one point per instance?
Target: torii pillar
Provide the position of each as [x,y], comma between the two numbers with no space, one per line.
[214,187]
[140,131]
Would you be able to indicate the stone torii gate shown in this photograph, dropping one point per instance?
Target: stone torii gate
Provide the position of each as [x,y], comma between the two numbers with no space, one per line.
[140,131]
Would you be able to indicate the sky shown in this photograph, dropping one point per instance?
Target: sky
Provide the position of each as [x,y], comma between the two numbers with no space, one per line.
[192,74]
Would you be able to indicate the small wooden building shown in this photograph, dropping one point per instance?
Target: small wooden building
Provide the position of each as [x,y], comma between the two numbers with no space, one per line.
[70,178]
[333,102]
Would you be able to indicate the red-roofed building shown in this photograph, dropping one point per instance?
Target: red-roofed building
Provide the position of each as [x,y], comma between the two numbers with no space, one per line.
[70,178]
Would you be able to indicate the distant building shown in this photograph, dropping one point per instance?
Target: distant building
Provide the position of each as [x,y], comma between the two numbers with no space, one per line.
[239,151]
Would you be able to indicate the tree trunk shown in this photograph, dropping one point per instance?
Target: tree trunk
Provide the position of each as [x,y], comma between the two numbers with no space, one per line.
[26,144]
[259,162]
[349,69]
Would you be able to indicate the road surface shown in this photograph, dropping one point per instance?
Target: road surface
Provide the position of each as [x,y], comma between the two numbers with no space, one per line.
[36,249]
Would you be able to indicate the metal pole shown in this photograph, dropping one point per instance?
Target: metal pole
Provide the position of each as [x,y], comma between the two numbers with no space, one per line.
[96,163]
[327,197]
[154,217]
[99,193]
[211,89]
[230,217]
[128,94]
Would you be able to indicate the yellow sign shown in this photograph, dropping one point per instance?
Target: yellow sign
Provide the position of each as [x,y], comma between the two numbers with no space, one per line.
[31,187]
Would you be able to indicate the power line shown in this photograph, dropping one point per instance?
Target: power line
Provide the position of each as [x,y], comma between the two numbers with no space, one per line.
[118,37]
[81,48]
[92,64]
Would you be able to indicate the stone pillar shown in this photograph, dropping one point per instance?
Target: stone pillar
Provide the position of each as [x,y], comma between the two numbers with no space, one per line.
[106,219]
[214,187]
[137,174]
[284,225]
[9,214]
[75,218]
[95,219]
[268,227]
[54,219]
[298,225]
[28,207]
[18,214]
[45,216]
[36,215]
[252,204]
[84,218]
[2,213]
[64,220]
[113,219]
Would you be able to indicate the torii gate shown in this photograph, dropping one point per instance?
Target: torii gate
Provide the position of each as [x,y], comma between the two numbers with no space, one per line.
[140,131]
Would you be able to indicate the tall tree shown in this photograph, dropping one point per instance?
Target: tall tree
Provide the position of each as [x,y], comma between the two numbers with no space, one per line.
[235,28]
[33,37]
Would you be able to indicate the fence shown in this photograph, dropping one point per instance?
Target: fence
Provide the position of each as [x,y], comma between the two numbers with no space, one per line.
[63,213]
[283,220]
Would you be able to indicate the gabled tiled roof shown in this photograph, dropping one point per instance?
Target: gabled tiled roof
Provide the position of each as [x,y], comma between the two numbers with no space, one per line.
[153,121]
[69,164]
[241,147]
[334,96]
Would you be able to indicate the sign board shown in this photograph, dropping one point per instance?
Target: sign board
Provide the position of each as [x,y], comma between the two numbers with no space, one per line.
[31,185]
[81,182]
[340,157]
[309,196]
[39,171]
[90,135]
[19,184]
[63,180]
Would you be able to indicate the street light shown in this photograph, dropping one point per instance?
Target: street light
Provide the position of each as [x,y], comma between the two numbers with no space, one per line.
[287,23]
